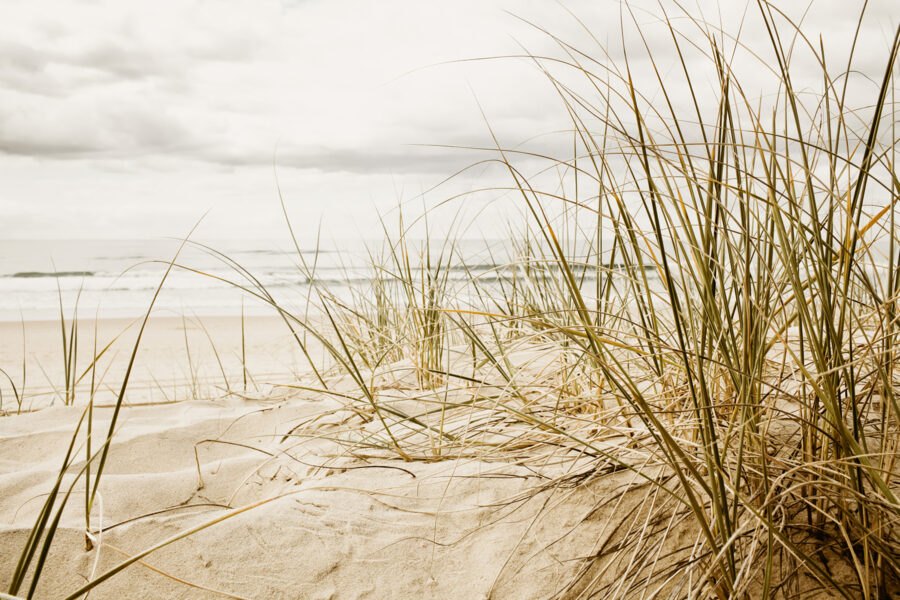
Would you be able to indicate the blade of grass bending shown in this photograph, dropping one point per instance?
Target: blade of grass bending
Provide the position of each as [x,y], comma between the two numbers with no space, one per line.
[48,508]
[243,349]
[179,536]
[121,396]
[40,524]
[263,294]
[15,391]
[290,227]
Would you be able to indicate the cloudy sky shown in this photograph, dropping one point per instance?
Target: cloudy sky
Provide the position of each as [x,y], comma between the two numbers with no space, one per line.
[122,119]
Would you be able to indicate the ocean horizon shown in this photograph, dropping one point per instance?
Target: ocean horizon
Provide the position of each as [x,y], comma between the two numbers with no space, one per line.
[117,278]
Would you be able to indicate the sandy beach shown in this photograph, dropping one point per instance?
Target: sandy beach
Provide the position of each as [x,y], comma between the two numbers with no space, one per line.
[178,359]
[303,515]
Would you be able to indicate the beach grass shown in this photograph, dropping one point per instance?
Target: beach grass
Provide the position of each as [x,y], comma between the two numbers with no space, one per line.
[707,297]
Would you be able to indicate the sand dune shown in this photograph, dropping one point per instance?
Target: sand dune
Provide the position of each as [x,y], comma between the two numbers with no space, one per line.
[328,527]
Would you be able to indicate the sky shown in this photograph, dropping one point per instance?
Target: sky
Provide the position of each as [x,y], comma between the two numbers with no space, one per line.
[126,119]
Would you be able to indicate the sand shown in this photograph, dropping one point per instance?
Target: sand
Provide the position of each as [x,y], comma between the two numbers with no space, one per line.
[300,516]
[178,359]
[278,488]
[378,529]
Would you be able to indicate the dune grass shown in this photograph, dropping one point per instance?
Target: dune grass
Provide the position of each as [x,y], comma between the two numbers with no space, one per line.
[707,297]
[742,316]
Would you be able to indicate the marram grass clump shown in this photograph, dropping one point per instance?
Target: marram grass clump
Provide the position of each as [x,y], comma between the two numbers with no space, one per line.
[724,308]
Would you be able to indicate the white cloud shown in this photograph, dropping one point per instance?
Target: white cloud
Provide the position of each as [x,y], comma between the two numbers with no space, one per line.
[174,105]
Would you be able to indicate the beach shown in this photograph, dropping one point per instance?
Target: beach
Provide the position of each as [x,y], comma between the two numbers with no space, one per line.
[302,514]
[645,346]
[177,359]
[328,528]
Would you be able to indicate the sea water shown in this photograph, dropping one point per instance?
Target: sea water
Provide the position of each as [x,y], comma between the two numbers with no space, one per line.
[118,278]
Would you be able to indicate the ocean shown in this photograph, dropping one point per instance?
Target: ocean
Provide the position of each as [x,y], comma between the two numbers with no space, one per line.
[117,278]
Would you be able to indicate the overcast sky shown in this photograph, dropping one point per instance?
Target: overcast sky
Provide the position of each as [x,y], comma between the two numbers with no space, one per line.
[122,119]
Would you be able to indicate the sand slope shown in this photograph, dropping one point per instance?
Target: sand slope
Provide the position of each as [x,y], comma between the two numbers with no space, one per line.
[344,528]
